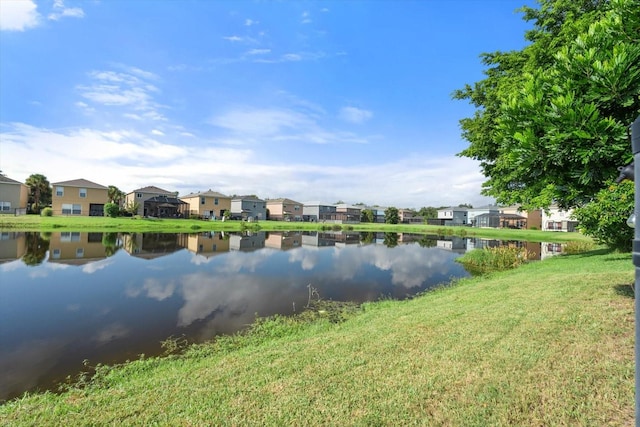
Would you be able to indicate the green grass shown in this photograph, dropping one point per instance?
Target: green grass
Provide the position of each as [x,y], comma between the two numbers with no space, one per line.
[137,224]
[548,343]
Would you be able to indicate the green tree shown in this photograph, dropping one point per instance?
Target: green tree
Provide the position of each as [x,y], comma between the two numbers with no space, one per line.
[366,215]
[132,207]
[605,218]
[551,120]
[111,210]
[39,192]
[37,247]
[391,215]
[390,240]
[428,212]
[115,195]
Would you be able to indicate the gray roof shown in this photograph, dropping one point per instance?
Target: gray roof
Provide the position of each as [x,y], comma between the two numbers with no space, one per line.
[80,183]
[7,180]
[209,193]
[151,189]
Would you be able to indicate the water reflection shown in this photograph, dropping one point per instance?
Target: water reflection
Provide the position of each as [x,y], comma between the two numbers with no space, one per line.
[108,297]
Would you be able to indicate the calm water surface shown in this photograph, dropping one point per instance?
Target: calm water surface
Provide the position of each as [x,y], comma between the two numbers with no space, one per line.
[107,297]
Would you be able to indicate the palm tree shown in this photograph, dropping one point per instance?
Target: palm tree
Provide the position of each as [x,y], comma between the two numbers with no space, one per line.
[115,195]
[39,191]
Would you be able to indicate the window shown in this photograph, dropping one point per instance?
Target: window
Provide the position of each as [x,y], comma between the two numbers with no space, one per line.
[67,236]
[139,195]
[56,254]
[80,253]
[59,191]
[5,206]
[296,208]
[83,193]
[215,201]
[202,200]
[69,209]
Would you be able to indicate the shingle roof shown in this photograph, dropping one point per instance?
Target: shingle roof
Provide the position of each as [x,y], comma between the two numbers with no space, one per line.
[80,183]
[7,180]
[151,189]
[209,193]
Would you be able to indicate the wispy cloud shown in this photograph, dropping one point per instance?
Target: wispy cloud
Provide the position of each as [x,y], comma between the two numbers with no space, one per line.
[305,18]
[19,15]
[61,11]
[132,88]
[355,115]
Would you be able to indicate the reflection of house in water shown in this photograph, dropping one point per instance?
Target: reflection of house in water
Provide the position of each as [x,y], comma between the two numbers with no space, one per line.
[208,243]
[454,244]
[284,240]
[153,245]
[410,237]
[76,248]
[247,241]
[550,249]
[314,238]
[12,246]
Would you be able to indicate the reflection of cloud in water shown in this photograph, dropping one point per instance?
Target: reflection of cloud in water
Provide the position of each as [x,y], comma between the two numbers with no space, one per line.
[111,332]
[308,257]
[409,267]
[95,266]
[12,266]
[248,261]
[22,367]
[157,290]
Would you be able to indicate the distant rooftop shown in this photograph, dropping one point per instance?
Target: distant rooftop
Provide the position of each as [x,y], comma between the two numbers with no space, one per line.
[79,183]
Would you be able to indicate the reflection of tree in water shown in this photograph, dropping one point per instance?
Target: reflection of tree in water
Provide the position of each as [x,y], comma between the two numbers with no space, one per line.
[391,240]
[110,243]
[428,241]
[367,237]
[37,247]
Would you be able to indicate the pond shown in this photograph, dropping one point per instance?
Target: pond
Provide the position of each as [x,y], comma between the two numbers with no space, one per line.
[109,297]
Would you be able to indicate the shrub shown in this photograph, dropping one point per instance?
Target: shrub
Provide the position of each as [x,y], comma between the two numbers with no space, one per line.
[112,210]
[46,212]
[577,247]
[493,259]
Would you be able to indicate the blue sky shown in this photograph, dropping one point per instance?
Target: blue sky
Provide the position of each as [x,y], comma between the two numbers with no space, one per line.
[310,100]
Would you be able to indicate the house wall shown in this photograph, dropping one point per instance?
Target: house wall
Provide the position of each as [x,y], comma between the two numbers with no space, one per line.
[71,195]
[558,220]
[66,246]
[141,197]
[14,196]
[208,209]
[208,243]
[12,246]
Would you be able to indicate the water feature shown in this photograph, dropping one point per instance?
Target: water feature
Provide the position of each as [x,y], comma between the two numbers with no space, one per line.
[109,297]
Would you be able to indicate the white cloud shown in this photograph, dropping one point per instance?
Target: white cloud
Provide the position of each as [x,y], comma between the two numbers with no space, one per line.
[60,11]
[157,132]
[259,51]
[305,19]
[250,22]
[18,15]
[355,115]
[233,38]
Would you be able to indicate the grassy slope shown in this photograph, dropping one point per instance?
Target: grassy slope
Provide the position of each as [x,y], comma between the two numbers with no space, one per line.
[550,343]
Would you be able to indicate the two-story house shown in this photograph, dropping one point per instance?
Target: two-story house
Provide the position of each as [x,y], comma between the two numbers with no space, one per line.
[78,197]
[14,196]
[141,195]
[556,219]
[348,214]
[207,204]
[319,212]
[284,210]
[453,216]
[248,208]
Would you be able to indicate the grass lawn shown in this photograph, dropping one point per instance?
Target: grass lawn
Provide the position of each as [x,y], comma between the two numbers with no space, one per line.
[105,224]
[549,343]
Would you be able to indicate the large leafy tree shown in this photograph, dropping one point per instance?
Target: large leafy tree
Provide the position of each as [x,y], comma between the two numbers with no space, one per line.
[551,120]
[39,192]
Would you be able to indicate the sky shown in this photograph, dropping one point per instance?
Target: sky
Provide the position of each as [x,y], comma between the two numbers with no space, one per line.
[310,100]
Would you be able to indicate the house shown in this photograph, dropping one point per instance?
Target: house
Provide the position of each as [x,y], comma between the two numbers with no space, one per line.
[207,204]
[248,208]
[473,213]
[75,248]
[141,195]
[409,216]
[319,212]
[378,214]
[534,217]
[283,240]
[14,196]
[347,214]
[284,210]
[78,197]
[451,216]
[556,219]
[208,243]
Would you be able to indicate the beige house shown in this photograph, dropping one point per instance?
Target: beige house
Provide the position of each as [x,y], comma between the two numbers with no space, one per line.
[284,210]
[534,217]
[208,243]
[208,204]
[14,196]
[141,195]
[78,197]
